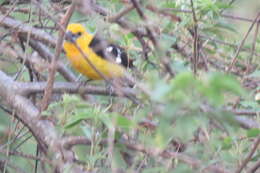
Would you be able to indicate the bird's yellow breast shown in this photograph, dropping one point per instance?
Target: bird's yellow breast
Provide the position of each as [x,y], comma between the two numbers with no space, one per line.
[108,69]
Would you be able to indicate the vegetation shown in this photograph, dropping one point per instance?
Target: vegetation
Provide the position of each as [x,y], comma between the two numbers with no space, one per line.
[194,106]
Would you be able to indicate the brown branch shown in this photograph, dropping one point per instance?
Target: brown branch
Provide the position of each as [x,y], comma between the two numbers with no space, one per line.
[234,59]
[222,15]
[204,37]
[246,122]
[9,11]
[120,14]
[24,29]
[154,9]
[78,140]
[249,61]
[28,88]
[255,167]
[195,163]
[71,141]
[196,39]
[244,112]
[138,9]
[165,61]
[53,65]
[149,31]
[238,18]
[250,155]
[27,156]
[43,130]
[137,31]
[45,53]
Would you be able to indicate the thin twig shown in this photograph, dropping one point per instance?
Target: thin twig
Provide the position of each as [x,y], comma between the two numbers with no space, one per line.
[250,155]
[9,11]
[46,54]
[24,29]
[69,142]
[196,38]
[120,14]
[53,65]
[43,130]
[250,59]
[149,31]
[234,59]
[138,9]
[27,156]
[254,167]
[154,9]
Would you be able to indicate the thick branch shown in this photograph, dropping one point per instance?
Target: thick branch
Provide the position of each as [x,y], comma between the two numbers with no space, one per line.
[68,87]
[37,34]
[43,130]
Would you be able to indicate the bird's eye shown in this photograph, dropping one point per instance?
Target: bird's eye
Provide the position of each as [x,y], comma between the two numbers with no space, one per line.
[79,33]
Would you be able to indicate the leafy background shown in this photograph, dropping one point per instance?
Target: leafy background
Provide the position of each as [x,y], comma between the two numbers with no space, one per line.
[186,113]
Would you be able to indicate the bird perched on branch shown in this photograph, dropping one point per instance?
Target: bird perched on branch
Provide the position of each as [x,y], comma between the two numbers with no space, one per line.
[109,60]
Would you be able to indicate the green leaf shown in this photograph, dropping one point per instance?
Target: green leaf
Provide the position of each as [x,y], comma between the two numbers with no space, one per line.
[254,132]
[219,84]
[118,161]
[79,116]
[168,4]
[166,41]
[160,91]
[107,120]
[227,143]
[186,126]
[250,104]
[164,135]
[226,26]
[74,121]
[123,122]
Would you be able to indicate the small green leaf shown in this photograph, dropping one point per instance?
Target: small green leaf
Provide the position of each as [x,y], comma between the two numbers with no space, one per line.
[227,143]
[74,121]
[106,119]
[186,126]
[250,104]
[78,117]
[123,122]
[254,132]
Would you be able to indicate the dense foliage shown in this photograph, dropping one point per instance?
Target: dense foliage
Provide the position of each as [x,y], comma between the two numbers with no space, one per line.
[195,106]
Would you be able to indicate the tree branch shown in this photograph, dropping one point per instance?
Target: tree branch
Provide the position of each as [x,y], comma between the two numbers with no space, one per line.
[43,130]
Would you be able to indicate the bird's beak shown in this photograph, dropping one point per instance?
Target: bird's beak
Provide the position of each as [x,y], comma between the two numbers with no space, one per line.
[70,37]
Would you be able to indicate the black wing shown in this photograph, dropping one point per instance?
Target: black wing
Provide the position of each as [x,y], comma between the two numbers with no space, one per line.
[110,51]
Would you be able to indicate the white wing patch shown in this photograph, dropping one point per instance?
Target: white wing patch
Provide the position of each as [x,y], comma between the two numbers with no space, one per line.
[114,51]
[109,49]
[118,57]
[118,60]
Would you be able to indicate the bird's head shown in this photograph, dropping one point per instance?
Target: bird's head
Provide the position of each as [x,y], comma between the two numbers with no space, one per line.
[76,31]
[76,34]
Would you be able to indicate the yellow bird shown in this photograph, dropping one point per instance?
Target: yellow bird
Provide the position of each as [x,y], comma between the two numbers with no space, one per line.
[109,59]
